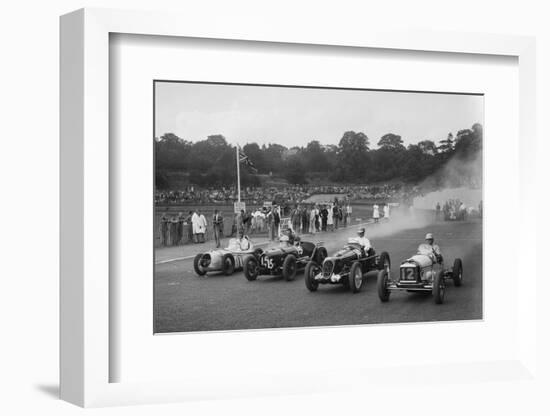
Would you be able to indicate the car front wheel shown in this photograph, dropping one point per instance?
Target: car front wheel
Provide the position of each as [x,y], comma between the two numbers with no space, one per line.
[228,264]
[311,270]
[457,272]
[197,265]
[289,267]
[438,289]
[355,277]
[382,285]
[251,268]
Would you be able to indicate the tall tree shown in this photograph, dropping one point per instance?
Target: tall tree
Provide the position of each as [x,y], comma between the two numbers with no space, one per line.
[353,156]
[391,141]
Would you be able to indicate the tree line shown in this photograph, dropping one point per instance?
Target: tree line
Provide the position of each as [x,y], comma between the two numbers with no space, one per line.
[211,162]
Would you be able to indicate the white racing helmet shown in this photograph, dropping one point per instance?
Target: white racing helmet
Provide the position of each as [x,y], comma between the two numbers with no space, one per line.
[429,236]
[284,239]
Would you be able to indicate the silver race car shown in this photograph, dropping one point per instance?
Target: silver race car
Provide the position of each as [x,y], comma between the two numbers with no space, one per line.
[225,260]
[423,272]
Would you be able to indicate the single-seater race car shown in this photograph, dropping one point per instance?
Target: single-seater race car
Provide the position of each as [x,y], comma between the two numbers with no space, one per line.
[226,260]
[286,259]
[423,272]
[347,266]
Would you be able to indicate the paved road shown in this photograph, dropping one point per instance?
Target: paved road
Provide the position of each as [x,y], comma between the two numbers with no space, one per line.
[185,302]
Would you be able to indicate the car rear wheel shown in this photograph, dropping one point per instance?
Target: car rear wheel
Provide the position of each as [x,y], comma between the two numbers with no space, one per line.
[228,264]
[382,285]
[197,265]
[438,290]
[251,269]
[311,270]
[457,272]
[289,267]
[355,277]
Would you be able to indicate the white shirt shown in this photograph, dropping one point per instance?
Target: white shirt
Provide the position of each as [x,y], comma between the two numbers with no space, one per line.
[364,241]
[195,222]
[375,212]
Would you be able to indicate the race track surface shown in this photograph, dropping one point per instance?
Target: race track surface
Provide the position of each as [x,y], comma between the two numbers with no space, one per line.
[185,302]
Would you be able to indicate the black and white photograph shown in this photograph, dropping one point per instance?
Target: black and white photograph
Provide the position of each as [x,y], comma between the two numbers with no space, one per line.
[279,206]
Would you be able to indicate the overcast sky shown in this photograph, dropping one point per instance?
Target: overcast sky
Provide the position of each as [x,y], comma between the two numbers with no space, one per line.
[295,116]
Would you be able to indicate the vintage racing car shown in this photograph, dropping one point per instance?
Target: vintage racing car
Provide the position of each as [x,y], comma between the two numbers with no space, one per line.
[347,266]
[226,260]
[283,260]
[423,272]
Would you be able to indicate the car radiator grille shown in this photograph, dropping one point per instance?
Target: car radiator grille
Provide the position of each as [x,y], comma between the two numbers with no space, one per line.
[328,268]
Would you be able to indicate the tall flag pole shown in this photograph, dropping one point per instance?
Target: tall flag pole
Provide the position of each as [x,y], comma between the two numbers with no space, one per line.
[238,174]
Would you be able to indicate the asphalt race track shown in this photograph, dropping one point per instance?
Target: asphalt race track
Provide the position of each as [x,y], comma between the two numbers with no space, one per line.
[185,302]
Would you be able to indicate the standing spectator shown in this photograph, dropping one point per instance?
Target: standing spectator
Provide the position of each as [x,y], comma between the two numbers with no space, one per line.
[196,226]
[174,222]
[312,219]
[217,227]
[235,225]
[386,212]
[269,221]
[163,230]
[324,216]
[305,219]
[330,218]
[317,215]
[202,224]
[295,217]
[276,221]
[189,226]
[348,213]
[181,220]
[375,213]
[246,219]
[335,217]
[437,211]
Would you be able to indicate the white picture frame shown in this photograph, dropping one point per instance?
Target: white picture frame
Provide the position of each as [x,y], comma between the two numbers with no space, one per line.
[85,264]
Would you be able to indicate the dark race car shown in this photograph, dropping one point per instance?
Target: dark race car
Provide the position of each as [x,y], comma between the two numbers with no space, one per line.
[347,266]
[283,260]
[423,272]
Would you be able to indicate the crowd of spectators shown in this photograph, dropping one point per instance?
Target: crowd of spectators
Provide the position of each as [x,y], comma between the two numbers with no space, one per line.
[455,210]
[280,195]
[310,218]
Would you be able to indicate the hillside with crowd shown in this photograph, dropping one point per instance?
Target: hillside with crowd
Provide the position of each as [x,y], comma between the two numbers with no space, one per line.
[256,195]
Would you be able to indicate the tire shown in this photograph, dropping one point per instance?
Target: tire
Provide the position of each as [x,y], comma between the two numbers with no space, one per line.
[251,269]
[457,272]
[228,264]
[355,277]
[196,265]
[320,255]
[289,267]
[438,290]
[382,285]
[311,268]
[384,262]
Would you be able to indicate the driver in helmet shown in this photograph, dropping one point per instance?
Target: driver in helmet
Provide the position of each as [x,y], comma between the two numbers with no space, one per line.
[435,248]
[284,241]
[244,242]
[292,236]
[363,240]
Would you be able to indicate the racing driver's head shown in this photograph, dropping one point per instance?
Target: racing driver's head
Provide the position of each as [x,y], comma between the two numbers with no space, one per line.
[361,232]
[284,241]
[430,238]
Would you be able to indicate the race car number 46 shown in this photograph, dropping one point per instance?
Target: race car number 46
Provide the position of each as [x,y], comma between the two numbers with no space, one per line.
[267,262]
